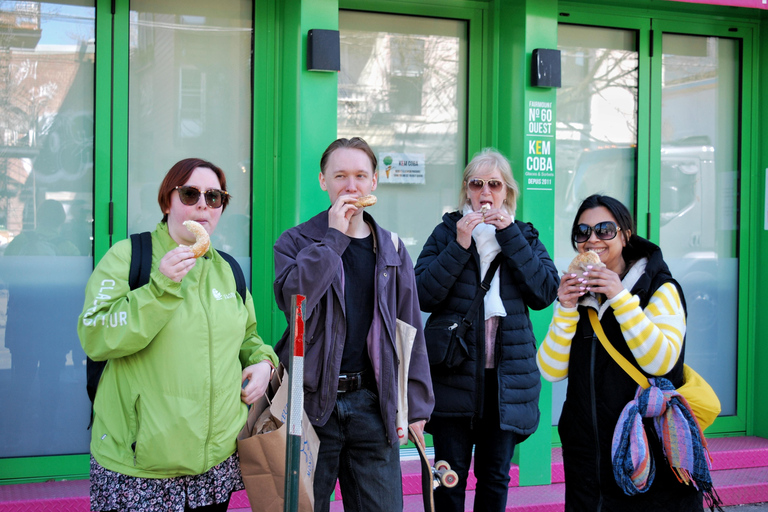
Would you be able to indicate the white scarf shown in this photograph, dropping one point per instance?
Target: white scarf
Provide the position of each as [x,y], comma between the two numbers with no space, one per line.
[488,247]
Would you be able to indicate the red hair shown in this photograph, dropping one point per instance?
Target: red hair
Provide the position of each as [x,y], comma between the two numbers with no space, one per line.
[179,174]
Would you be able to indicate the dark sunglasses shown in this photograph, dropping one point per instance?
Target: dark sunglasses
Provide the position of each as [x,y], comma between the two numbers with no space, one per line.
[191,195]
[606,230]
[478,184]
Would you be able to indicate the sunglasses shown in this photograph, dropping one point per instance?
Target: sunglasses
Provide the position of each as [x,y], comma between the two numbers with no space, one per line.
[476,184]
[606,230]
[191,195]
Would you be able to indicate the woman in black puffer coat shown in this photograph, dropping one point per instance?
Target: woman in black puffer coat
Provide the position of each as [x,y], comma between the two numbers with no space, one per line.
[490,400]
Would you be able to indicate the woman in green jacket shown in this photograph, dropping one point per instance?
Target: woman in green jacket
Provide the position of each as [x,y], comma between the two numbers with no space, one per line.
[171,400]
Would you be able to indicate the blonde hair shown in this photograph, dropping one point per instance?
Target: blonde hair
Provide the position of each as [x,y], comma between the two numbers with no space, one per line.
[489,159]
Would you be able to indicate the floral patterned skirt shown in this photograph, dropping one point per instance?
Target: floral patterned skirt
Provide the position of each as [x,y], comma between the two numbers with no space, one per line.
[116,491]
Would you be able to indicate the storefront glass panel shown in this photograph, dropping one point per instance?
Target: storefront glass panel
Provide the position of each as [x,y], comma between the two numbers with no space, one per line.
[596,149]
[190,96]
[699,198]
[46,223]
[403,88]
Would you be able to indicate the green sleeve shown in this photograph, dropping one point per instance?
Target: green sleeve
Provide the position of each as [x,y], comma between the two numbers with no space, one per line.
[117,321]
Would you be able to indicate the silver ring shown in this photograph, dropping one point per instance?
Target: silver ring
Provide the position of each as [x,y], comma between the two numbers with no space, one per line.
[502,218]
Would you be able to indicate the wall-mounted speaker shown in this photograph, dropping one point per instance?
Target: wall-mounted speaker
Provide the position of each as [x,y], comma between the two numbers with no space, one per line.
[323,52]
[545,68]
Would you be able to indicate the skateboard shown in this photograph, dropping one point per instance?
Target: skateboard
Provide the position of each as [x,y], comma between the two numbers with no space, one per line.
[433,477]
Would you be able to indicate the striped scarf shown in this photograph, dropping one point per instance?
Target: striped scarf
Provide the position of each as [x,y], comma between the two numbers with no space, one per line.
[682,441]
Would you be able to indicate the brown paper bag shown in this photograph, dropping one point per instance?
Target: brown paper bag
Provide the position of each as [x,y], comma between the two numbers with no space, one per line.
[262,455]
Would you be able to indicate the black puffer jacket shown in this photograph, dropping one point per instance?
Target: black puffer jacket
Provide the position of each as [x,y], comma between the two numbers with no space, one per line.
[598,390]
[448,278]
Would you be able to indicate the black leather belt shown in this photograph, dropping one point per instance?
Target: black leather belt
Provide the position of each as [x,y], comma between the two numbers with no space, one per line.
[349,382]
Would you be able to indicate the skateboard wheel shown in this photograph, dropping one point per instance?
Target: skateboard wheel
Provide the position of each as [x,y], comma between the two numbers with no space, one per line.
[442,465]
[449,478]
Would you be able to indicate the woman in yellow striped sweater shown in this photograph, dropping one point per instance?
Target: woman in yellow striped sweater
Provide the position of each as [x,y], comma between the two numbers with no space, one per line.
[642,311]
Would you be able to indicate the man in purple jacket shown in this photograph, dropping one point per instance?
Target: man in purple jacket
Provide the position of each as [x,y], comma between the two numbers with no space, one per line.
[357,283]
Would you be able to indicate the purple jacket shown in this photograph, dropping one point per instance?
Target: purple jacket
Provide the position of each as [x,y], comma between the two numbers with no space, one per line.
[308,262]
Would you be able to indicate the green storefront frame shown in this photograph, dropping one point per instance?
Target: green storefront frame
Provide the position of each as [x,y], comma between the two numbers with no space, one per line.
[294,110]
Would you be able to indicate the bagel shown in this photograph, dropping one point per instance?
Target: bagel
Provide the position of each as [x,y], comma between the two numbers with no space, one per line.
[364,201]
[583,260]
[202,240]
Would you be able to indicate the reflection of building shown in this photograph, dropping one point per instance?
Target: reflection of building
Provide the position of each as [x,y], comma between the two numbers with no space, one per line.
[34,105]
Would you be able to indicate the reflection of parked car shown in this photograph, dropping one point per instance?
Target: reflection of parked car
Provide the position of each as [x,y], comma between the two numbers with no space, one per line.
[687,202]
[687,191]
[605,170]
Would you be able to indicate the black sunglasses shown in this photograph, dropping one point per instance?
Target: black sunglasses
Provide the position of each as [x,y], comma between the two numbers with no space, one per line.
[478,184]
[191,195]
[606,230]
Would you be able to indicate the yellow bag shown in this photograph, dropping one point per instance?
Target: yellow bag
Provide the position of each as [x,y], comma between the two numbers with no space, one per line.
[700,396]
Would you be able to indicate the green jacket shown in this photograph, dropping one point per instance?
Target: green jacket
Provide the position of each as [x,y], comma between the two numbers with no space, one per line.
[168,402]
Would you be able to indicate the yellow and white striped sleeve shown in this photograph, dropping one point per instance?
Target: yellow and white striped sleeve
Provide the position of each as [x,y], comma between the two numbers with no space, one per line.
[655,334]
[555,352]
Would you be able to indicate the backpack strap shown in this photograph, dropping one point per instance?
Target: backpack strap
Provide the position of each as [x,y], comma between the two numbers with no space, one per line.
[237,271]
[141,259]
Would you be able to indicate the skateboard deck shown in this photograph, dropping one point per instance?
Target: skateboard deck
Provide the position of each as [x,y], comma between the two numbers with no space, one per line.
[433,477]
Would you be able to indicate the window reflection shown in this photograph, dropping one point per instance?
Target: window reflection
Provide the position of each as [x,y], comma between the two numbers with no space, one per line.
[596,123]
[402,87]
[46,219]
[700,197]
[596,131]
[190,96]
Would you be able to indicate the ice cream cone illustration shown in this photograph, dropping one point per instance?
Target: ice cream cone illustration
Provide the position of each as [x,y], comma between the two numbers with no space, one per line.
[388,163]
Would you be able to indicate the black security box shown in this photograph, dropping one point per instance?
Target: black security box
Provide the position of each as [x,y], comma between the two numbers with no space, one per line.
[545,68]
[323,52]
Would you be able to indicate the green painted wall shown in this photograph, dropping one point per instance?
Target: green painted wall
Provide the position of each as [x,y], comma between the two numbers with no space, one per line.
[522,26]
[758,385]
[307,123]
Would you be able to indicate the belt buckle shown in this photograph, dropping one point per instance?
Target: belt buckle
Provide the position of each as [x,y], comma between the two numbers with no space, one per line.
[352,382]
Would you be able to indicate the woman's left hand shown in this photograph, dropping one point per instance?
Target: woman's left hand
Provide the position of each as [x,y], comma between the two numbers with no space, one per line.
[498,218]
[258,378]
[605,281]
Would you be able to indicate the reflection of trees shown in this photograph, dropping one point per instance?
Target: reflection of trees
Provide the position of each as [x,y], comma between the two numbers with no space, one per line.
[401,91]
[604,71]
[46,132]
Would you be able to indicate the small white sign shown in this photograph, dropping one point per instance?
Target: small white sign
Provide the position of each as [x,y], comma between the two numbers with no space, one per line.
[404,168]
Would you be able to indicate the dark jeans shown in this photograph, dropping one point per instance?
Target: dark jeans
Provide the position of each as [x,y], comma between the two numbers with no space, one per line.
[454,439]
[354,448]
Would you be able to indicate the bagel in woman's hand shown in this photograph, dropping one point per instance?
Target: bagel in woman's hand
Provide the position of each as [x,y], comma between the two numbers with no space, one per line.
[202,240]
[364,201]
[583,260]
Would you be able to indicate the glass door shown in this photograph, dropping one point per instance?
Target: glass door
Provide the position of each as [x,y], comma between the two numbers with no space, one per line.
[699,196]
[597,130]
[190,96]
[47,55]
[403,88]
[663,132]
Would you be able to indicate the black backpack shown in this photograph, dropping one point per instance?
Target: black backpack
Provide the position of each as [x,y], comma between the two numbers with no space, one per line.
[138,276]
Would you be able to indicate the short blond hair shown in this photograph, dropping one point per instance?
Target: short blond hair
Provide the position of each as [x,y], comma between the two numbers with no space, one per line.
[487,159]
